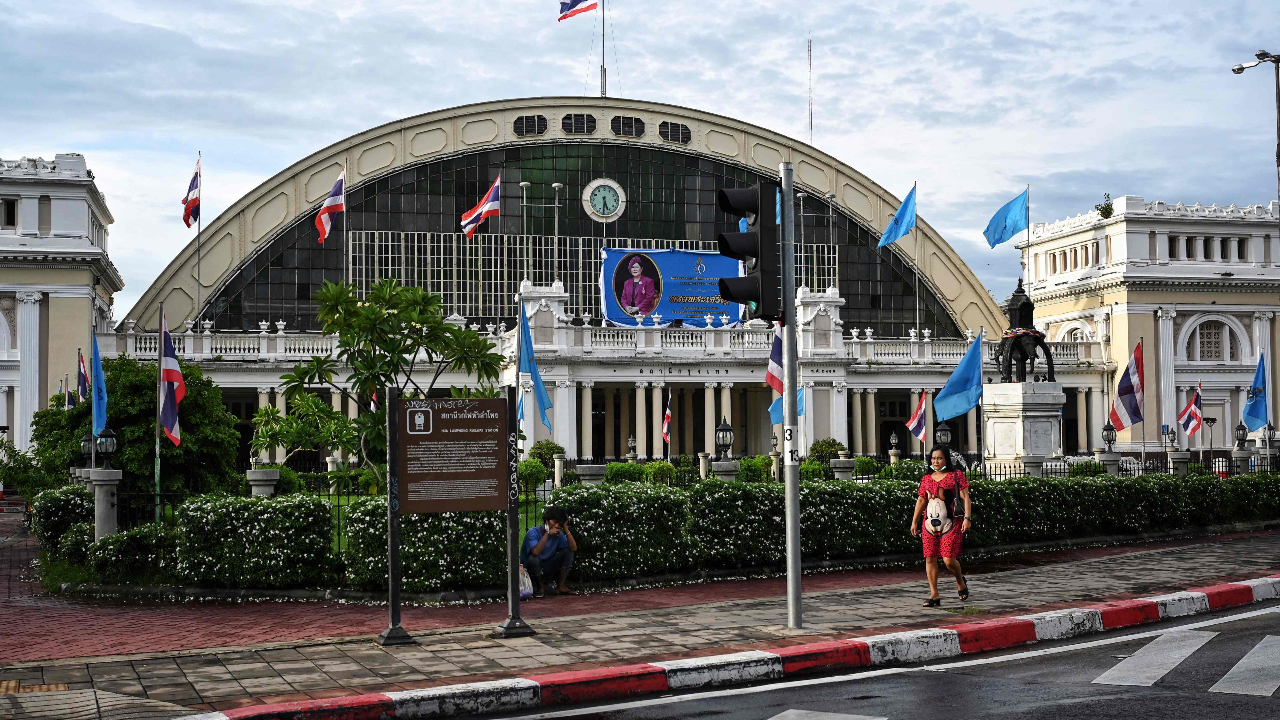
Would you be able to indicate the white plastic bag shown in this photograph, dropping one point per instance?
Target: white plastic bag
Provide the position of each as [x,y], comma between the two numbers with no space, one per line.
[526,585]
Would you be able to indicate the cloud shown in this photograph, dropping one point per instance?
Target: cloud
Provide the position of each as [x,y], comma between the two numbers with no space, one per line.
[973,100]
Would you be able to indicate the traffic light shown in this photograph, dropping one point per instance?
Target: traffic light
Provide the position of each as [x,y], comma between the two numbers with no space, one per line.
[759,291]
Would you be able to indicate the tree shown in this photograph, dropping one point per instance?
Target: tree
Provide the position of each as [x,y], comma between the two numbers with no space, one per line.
[385,340]
[1105,208]
[204,462]
[311,424]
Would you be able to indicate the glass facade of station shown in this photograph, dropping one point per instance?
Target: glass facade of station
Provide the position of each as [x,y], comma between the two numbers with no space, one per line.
[670,197]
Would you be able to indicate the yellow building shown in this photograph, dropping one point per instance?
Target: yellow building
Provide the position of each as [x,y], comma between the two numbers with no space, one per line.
[1198,286]
[56,280]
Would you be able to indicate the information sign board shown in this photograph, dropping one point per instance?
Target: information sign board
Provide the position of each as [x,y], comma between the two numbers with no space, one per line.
[451,455]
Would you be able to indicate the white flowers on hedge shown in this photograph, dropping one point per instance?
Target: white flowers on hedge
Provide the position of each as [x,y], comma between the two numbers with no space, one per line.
[54,511]
[226,541]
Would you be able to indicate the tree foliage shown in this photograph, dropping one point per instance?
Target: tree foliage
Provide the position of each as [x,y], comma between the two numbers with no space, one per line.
[311,424]
[204,462]
[390,339]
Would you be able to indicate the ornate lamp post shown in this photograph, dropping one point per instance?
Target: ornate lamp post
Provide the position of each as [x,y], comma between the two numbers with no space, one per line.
[724,439]
[942,434]
[86,449]
[106,446]
[1109,437]
[1242,434]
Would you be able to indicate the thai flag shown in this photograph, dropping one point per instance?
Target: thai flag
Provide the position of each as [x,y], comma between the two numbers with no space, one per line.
[488,207]
[172,387]
[1126,407]
[1192,416]
[569,8]
[774,375]
[82,382]
[666,423]
[334,204]
[917,424]
[191,203]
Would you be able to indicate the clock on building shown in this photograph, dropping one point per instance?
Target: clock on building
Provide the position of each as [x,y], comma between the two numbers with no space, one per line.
[604,200]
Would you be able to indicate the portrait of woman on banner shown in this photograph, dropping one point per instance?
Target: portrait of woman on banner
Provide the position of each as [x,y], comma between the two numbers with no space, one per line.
[637,285]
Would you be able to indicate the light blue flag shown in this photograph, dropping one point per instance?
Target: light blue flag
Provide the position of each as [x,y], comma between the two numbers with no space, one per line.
[964,388]
[99,392]
[1255,407]
[902,221]
[775,410]
[1009,220]
[527,365]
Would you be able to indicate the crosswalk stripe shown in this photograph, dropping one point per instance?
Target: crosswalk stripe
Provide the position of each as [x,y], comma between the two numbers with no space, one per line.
[1257,673]
[1149,664]
[815,715]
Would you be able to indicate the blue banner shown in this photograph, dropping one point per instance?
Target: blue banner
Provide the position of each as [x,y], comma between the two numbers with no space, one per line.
[639,287]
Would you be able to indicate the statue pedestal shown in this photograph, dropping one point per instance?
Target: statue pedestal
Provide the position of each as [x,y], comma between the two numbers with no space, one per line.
[1022,419]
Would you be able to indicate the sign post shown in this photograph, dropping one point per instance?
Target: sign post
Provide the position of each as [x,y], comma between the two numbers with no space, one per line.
[394,634]
[513,626]
[444,455]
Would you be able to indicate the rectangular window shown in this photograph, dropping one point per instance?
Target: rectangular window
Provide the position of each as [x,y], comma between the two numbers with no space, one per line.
[1225,255]
[44,216]
[8,214]
[1191,249]
[1151,246]
[1173,247]
[1208,248]
[1243,250]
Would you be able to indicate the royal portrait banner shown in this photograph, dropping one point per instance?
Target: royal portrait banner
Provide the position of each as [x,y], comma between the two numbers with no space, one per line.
[647,287]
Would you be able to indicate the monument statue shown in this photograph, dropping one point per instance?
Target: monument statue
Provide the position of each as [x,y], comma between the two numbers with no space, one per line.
[1021,340]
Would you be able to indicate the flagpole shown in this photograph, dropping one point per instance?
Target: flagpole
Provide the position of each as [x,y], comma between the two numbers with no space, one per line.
[346,221]
[159,400]
[199,232]
[915,228]
[603,77]
[1144,419]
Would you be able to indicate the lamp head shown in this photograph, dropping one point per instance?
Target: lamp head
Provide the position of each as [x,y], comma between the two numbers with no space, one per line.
[1263,55]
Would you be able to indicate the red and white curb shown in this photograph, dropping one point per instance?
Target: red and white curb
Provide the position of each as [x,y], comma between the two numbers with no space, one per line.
[743,667]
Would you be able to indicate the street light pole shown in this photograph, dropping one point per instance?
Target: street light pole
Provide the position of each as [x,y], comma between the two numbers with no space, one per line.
[791,448]
[1264,56]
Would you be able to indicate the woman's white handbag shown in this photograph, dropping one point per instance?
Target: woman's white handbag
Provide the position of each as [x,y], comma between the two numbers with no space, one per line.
[526,585]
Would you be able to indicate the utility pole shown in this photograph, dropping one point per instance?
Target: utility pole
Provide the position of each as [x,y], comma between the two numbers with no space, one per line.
[790,410]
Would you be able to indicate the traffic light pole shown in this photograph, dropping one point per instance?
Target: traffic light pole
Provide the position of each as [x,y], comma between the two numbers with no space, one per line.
[790,411]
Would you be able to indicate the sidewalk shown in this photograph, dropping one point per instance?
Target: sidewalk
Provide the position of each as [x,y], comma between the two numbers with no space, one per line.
[573,633]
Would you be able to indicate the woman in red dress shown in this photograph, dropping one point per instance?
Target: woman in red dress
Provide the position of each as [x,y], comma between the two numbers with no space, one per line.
[944,482]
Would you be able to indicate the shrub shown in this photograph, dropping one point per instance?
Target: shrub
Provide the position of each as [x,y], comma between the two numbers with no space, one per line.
[758,468]
[686,476]
[544,451]
[659,472]
[825,450]
[627,530]
[911,470]
[570,478]
[1088,468]
[687,461]
[866,466]
[623,472]
[846,519]
[227,541]
[138,555]
[532,474]
[438,551]
[75,542]
[21,474]
[54,511]
[738,524]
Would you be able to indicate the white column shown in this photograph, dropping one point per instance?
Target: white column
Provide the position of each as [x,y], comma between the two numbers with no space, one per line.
[806,426]
[642,421]
[624,420]
[709,417]
[584,410]
[840,412]
[928,417]
[282,406]
[28,400]
[1184,442]
[4,406]
[1082,421]
[1167,415]
[1096,420]
[564,427]
[659,411]
[916,445]
[872,422]
[855,437]
[531,417]
[726,406]
[1262,345]
[971,426]
[1228,427]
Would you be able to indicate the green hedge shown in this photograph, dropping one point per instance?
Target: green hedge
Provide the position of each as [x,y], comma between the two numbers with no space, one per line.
[628,530]
[619,472]
[438,551]
[54,511]
[75,542]
[146,552]
[758,468]
[227,541]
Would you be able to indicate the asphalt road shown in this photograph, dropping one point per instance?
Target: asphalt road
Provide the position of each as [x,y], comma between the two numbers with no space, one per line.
[1220,666]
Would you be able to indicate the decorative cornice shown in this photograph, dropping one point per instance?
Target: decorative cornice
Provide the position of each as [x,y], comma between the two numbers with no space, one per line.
[1133,206]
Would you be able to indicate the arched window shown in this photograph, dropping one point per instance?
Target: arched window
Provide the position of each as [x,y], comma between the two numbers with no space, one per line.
[1073,336]
[1213,341]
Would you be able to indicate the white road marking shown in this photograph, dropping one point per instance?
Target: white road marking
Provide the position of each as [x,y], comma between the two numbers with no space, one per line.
[815,715]
[1257,673]
[1155,659]
[865,674]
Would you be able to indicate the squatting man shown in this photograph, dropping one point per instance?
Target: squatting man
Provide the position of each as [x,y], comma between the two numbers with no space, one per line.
[547,552]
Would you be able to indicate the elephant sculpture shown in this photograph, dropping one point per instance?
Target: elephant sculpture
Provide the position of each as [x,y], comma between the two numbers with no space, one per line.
[1020,346]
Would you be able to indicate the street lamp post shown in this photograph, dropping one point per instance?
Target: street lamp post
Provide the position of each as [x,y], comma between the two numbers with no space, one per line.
[1211,421]
[1264,56]
[724,439]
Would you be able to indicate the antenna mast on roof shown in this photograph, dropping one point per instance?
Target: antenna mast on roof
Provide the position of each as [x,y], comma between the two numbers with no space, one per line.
[810,89]
[604,85]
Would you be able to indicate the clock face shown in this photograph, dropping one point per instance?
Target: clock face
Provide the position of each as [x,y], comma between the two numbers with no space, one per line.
[604,200]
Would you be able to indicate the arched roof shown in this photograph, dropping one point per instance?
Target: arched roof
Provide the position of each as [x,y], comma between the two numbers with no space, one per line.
[253,220]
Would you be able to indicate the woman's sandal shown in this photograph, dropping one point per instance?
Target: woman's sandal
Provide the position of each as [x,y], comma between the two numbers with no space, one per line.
[964,594]
[933,602]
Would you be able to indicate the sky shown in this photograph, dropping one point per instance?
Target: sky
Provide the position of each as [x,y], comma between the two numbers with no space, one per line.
[972,100]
